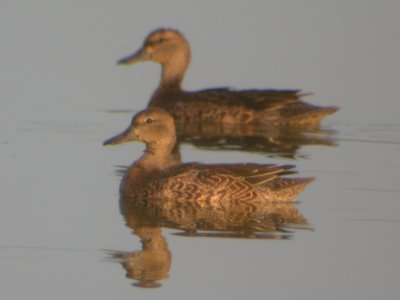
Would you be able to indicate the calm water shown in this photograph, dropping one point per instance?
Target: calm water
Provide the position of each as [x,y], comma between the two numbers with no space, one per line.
[60,221]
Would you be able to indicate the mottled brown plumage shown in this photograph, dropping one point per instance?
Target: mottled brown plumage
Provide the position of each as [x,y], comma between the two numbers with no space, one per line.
[160,176]
[170,49]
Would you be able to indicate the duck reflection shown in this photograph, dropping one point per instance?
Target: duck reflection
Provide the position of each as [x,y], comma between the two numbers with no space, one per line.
[284,141]
[151,265]
[153,262]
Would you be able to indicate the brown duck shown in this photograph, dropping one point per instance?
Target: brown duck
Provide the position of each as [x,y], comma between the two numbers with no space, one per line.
[274,107]
[159,175]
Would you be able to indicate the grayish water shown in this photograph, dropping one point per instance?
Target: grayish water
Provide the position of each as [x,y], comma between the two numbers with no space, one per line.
[59,206]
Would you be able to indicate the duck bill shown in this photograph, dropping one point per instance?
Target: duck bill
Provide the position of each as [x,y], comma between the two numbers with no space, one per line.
[139,56]
[123,137]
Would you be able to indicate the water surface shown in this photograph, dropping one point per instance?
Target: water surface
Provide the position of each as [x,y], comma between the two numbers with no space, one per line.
[60,91]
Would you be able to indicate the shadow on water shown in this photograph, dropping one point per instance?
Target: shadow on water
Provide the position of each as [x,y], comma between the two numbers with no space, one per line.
[151,264]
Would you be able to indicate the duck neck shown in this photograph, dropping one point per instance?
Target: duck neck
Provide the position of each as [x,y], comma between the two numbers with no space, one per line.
[159,155]
[155,158]
[173,71]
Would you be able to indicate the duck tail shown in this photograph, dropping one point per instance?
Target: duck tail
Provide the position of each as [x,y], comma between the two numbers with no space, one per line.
[287,189]
[299,114]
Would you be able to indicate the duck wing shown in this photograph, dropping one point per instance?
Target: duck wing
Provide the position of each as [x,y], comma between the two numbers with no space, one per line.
[254,98]
[253,174]
[285,104]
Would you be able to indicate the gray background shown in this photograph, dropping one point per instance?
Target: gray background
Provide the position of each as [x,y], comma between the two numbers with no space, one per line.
[59,195]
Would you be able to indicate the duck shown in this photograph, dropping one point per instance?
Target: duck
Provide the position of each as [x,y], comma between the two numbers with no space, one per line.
[159,176]
[171,50]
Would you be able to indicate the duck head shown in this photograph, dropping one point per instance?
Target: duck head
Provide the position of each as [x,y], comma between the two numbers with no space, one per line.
[153,126]
[162,46]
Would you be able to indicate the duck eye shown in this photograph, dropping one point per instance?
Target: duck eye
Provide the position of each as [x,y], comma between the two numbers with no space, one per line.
[149,121]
